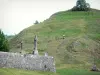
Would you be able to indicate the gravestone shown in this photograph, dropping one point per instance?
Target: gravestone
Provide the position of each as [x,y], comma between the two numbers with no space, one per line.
[94,68]
[46,54]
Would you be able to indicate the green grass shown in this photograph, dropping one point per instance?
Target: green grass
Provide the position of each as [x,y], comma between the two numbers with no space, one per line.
[8,71]
[76,72]
[64,71]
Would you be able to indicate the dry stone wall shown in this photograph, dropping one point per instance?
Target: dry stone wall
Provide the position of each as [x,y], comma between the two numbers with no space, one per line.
[27,61]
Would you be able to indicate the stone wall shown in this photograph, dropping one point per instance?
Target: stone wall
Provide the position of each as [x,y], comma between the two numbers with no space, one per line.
[27,61]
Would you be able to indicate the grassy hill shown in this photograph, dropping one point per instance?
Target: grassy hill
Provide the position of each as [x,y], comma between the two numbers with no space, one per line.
[82,37]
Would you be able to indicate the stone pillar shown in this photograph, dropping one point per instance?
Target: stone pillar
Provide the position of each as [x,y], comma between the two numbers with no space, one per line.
[35,51]
[21,45]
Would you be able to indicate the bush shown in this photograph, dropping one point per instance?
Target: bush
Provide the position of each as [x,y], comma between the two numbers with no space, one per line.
[4,46]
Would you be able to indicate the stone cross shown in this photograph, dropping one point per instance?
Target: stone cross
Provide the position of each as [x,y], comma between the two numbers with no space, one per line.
[35,52]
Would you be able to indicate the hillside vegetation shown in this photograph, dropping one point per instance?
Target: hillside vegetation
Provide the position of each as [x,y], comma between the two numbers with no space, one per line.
[81,44]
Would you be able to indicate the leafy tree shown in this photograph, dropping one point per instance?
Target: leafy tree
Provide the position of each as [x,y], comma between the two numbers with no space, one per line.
[4,46]
[81,5]
[36,22]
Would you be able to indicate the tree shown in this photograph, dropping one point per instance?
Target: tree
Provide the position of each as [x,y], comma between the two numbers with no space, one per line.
[4,46]
[36,22]
[81,5]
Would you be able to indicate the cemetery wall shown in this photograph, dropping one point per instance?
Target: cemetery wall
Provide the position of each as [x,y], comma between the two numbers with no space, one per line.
[27,61]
